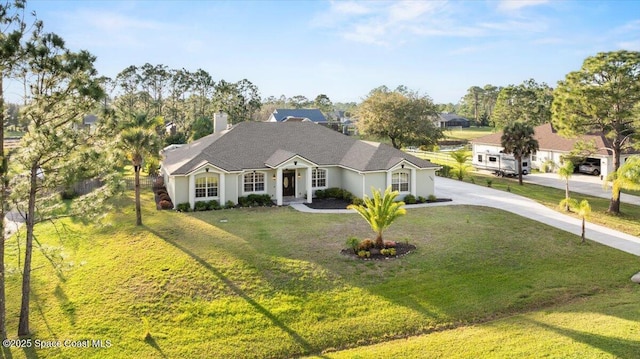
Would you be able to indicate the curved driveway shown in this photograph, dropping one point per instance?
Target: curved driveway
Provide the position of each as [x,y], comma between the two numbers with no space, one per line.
[463,193]
[470,194]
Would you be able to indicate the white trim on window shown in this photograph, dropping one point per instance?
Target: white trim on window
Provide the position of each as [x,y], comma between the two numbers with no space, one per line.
[207,186]
[254,182]
[319,178]
[400,181]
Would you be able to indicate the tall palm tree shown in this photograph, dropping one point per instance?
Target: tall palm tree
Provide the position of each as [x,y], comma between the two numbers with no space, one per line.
[565,172]
[518,139]
[380,212]
[139,140]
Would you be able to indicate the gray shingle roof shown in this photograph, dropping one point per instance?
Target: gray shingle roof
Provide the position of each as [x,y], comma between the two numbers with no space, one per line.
[315,115]
[255,145]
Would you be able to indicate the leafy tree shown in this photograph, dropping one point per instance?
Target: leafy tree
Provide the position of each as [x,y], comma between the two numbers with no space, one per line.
[139,140]
[323,103]
[565,172]
[518,139]
[299,101]
[478,103]
[404,117]
[461,167]
[380,212]
[63,89]
[604,96]
[529,102]
[240,100]
[201,127]
[12,27]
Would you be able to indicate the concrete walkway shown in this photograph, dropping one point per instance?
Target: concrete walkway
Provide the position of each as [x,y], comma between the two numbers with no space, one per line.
[463,193]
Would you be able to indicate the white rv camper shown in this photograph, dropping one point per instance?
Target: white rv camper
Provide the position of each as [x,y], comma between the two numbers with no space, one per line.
[500,163]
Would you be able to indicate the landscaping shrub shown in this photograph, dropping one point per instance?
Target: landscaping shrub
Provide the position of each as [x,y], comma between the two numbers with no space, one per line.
[152,167]
[161,192]
[388,252]
[183,207]
[432,198]
[363,254]
[158,183]
[213,204]
[333,192]
[410,199]
[164,204]
[489,182]
[357,201]
[445,171]
[164,197]
[390,244]
[201,206]
[421,199]
[366,244]
[229,204]
[320,194]
[68,193]
[347,196]
[353,243]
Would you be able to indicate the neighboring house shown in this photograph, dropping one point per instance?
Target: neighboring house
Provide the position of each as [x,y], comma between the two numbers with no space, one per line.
[298,115]
[288,161]
[170,128]
[452,120]
[552,146]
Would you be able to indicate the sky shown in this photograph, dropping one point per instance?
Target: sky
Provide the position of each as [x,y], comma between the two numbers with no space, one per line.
[344,49]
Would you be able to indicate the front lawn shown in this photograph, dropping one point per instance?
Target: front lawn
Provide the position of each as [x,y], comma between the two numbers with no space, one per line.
[270,282]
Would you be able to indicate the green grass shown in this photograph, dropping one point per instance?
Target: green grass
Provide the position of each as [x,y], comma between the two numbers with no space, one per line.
[270,282]
[601,326]
[469,133]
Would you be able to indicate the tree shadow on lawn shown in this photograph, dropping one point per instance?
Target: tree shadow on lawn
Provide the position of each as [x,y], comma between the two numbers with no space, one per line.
[292,333]
[619,348]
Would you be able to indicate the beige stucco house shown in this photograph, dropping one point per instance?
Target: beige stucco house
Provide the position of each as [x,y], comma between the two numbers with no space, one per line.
[288,161]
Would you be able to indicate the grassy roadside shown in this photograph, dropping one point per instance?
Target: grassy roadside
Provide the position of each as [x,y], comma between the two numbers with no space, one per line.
[262,283]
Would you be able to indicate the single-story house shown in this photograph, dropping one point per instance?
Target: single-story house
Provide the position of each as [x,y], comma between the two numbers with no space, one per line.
[445,120]
[289,161]
[552,146]
[298,115]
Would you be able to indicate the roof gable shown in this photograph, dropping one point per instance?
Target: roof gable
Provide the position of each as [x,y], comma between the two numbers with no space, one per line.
[314,114]
[254,145]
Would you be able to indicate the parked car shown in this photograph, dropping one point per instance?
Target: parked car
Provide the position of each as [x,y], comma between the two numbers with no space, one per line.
[590,168]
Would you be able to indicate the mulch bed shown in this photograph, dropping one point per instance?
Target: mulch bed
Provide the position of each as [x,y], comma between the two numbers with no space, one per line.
[402,249]
[333,203]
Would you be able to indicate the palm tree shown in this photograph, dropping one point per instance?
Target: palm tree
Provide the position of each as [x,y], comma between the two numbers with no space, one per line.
[139,139]
[517,139]
[461,168]
[583,209]
[627,176]
[380,212]
[565,172]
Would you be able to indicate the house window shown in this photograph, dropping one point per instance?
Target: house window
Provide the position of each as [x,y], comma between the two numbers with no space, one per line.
[254,182]
[400,182]
[493,159]
[479,158]
[318,178]
[207,186]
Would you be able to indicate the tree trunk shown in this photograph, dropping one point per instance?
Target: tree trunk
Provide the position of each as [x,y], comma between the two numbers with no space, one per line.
[3,188]
[614,204]
[566,195]
[23,325]
[519,160]
[393,142]
[583,225]
[379,243]
[137,187]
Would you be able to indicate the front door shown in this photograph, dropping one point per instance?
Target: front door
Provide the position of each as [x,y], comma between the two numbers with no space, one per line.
[289,183]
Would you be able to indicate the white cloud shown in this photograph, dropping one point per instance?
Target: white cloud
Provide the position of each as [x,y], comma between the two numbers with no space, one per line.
[350,8]
[514,5]
[633,45]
